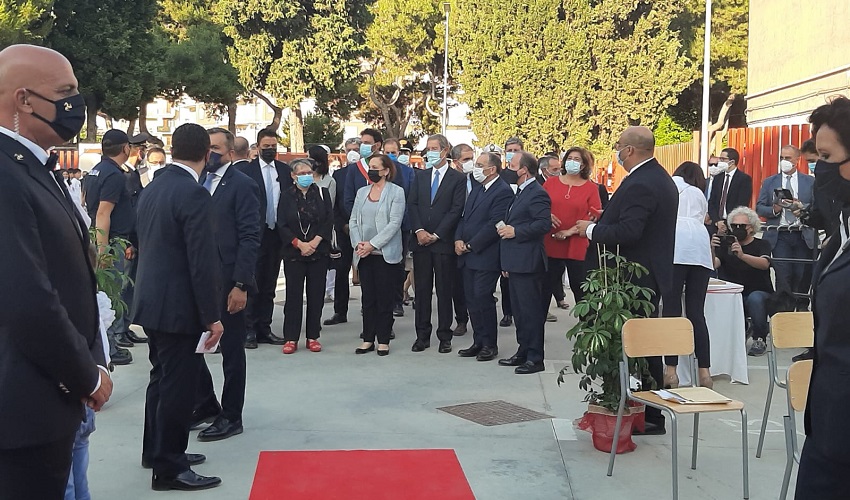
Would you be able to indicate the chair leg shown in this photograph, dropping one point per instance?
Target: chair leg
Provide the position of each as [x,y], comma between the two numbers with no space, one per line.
[766,415]
[745,453]
[616,436]
[696,441]
[675,466]
[789,460]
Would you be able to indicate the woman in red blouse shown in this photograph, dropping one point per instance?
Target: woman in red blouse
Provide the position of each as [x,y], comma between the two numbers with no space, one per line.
[574,198]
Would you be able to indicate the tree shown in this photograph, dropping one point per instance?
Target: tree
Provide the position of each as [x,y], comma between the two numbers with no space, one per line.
[24,21]
[294,50]
[322,129]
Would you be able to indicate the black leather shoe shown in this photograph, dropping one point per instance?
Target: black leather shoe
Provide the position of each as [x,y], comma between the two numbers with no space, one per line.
[445,346]
[131,335]
[487,354]
[364,351]
[336,319]
[512,361]
[506,321]
[650,429]
[121,340]
[270,338]
[398,311]
[420,346]
[460,330]
[383,352]
[222,428]
[205,415]
[528,368]
[192,458]
[122,357]
[251,341]
[807,354]
[469,352]
[392,334]
[185,481]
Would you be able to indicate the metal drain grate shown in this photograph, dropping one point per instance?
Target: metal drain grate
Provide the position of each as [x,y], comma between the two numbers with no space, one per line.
[493,413]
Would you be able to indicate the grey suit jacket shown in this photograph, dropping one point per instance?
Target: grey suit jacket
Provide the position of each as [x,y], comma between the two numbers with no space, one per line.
[764,205]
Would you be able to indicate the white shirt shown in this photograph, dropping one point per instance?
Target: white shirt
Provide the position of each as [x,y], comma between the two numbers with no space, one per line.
[442,171]
[693,246]
[268,170]
[217,178]
[188,169]
[492,181]
[794,191]
[722,176]
[589,231]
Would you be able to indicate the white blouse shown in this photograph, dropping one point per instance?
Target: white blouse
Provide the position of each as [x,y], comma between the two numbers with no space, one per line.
[693,245]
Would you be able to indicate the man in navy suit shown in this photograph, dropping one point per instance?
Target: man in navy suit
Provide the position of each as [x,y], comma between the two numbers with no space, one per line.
[272,177]
[790,276]
[641,220]
[235,215]
[462,157]
[477,247]
[523,258]
[404,179]
[731,188]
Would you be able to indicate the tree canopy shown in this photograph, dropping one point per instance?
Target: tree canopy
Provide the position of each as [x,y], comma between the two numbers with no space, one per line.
[24,21]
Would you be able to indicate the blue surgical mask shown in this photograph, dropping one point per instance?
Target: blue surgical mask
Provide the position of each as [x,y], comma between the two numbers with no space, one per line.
[365,150]
[812,165]
[404,159]
[572,167]
[509,156]
[432,158]
[620,160]
[392,156]
[304,181]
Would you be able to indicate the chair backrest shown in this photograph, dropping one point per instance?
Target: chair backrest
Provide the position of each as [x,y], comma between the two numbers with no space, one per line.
[792,329]
[658,337]
[799,376]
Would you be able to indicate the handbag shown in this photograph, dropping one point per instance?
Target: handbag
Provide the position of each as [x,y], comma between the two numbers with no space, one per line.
[335,252]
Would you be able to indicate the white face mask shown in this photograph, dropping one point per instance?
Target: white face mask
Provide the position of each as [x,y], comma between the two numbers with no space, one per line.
[714,170]
[478,174]
[723,166]
[467,166]
[352,156]
[786,166]
[572,167]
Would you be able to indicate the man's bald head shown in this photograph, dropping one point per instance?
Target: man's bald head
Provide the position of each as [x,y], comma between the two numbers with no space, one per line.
[636,144]
[240,148]
[27,70]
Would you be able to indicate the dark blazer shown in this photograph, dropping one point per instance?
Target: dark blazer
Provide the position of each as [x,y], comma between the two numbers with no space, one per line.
[49,325]
[441,217]
[252,169]
[604,197]
[740,194]
[641,219]
[133,181]
[764,205]
[477,227]
[178,285]
[289,227]
[237,227]
[531,216]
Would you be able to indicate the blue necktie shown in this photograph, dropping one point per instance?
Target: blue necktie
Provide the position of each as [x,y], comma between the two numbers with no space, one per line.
[209,181]
[435,185]
[468,186]
[270,208]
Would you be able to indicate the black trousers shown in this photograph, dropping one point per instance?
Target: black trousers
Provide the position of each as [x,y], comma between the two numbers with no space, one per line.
[315,274]
[504,286]
[232,363]
[694,280]
[378,298]
[555,286]
[342,290]
[530,314]
[480,287]
[170,399]
[36,472]
[430,270]
[656,364]
[261,304]
[795,277]
[459,298]
[820,477]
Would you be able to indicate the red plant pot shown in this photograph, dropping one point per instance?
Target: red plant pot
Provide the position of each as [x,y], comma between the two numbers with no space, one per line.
[601,424]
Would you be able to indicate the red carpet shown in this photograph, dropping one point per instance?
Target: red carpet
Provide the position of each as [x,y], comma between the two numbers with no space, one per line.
[360,475]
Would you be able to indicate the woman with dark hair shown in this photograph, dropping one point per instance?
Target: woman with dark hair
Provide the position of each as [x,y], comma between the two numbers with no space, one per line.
[574,198]
[321,170]
[825,460]
[692,267]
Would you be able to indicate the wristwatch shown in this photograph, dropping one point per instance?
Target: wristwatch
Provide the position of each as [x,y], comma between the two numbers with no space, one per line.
[468,247]
[240,285]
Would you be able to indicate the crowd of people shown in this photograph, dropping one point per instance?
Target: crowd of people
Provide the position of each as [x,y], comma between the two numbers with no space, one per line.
[203,238]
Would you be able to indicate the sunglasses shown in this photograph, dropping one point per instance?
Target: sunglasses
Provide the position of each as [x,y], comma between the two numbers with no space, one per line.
[738,226]
[712,164]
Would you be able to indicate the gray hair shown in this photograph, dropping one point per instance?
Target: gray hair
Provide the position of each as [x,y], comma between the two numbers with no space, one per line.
[515,140]
[752,217]
[441,139]
[301,161]
[458,150]
[352,140]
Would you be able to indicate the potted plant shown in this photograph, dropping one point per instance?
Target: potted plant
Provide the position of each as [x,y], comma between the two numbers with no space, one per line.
[611,298]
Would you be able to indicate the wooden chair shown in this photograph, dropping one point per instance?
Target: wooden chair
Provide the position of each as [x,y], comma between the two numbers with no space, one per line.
[797,391]
[788,330]
[669,337]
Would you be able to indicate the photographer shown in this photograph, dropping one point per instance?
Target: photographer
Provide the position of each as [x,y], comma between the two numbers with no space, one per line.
[742,258]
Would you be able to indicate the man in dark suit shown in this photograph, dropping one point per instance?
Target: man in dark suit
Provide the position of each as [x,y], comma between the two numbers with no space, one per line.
[404,179]
[177,248]
[731,189]
[235,215]
[462,157]
[523,258]
[641,219]
[272,177]
[51,354]
[513,146]
[435,206]
[477,247]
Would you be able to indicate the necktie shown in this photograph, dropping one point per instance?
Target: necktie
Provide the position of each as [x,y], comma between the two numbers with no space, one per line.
[789,217]
[270,208]
[208,184]
[468,186]
[51,162]
[435,185]
[723,196]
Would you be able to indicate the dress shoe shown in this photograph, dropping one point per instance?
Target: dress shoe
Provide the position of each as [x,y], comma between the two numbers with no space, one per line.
[445,346]
[192,458]
[487,354]
[807,354]
[251,341]
[469,352]
[551,318]
[506,321]
[420,346]
[650,429]
[132,337]
[122,357]
[270,338]
[222,428]
[383,352]
[529,367]
[336,319]
[512,361]
[121,340]
[205,415]
[398,311]
[460,330]
[360,350]
[186,481]
[392,334]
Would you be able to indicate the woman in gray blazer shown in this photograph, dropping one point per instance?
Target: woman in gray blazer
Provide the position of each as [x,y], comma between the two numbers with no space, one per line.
[375,230]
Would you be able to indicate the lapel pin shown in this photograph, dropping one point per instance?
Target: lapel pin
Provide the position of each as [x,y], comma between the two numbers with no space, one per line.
[19,156]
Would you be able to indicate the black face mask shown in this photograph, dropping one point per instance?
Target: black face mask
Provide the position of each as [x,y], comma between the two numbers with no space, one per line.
[214,163]
[374,175]
[740,233]
[268,154]
[828,179]
[70,115]
[510,176]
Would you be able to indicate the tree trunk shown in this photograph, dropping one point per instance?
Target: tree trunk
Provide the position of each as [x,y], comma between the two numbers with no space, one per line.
[722,121]
[231,116]
[278,111]
[91,118]
[143,118]
[296,129]
[132,127]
